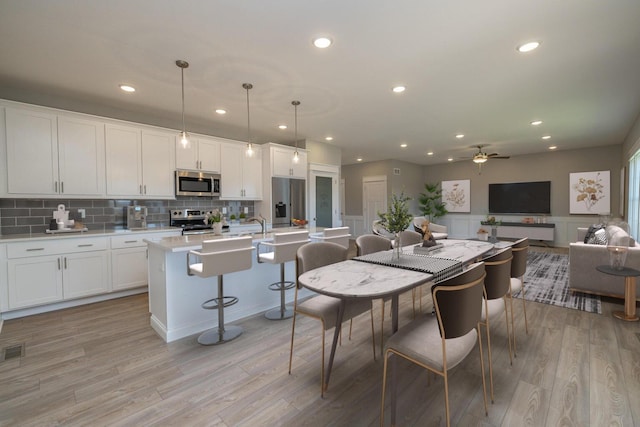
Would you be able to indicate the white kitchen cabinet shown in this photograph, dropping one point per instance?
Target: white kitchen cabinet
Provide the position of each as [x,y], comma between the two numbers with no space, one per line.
[66,153]
[140,163]
[282,164]
[203,154]
[240,175]
[41,272]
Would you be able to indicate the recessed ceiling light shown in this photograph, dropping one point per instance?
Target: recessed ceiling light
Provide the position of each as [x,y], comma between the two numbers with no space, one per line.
[430,153]
[553,147]
[127,88]
[450,159]
[546,137]
[322,42]
[399,89]
[282,127]
[328,138]
[359,159]
[460,136]
[403,145]
[536,123]
[221,111]
[528,47]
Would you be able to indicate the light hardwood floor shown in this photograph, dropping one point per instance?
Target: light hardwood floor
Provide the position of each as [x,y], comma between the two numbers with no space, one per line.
[102,364]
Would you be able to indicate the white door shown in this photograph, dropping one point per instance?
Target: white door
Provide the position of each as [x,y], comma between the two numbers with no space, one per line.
[324,196]
[374,194]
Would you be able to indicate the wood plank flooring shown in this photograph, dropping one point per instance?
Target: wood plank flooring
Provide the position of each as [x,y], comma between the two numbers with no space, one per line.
[102,364]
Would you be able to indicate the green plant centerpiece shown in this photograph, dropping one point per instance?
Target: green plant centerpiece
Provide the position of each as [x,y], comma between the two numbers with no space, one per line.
[396,219]
[243,216]
[215,219]
[430,202]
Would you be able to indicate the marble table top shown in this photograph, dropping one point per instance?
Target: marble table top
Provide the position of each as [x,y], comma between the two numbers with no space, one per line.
[354,279]
[465,251]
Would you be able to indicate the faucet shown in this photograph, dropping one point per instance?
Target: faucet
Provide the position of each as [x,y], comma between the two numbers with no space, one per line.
[261,220]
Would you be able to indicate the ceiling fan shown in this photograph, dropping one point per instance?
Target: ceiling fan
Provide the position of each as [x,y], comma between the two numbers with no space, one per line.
[481,157]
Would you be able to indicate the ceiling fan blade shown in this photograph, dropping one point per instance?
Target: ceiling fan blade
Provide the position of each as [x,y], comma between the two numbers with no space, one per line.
[501,157]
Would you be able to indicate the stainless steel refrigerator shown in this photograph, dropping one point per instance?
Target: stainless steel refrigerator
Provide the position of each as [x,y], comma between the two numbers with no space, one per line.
[289,199]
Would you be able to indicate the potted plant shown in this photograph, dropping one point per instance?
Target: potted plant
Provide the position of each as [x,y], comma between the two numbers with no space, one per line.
[396,219]
[431,202]
[215,219]
[483,234]
[243,216]
[232,218]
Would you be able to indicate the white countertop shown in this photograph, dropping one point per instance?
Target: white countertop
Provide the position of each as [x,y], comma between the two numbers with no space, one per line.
[194,241]
[90,233]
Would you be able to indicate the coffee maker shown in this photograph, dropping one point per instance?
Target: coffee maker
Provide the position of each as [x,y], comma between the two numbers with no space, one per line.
[136,217]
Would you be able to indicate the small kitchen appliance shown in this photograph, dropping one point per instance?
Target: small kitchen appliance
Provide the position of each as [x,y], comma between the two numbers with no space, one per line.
[136,217]
[200,184]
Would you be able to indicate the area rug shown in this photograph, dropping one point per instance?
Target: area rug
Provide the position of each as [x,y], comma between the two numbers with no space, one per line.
[547,281]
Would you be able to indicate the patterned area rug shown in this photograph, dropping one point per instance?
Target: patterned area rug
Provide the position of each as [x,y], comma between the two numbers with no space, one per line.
[547,281]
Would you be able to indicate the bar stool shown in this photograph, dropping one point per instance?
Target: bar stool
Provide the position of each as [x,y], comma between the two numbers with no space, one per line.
[283,249]
[220,257]
[339,235]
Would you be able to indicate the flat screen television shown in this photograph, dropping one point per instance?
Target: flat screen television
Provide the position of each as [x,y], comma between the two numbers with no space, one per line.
[520,198]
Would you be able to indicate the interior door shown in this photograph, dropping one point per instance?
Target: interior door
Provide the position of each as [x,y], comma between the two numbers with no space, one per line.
[324,205]
[374,192]
[324,189]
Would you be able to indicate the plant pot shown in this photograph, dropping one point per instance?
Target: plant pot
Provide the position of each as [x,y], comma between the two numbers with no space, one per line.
[217,228]
[483,236]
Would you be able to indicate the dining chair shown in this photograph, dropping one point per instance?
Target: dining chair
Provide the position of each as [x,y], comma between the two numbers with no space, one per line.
[368,244]
[324,308]
[408,238]
[520,251]
[496,284]
[439,343]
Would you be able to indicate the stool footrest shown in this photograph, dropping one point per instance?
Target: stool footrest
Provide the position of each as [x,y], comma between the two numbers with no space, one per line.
[278,286]
[226,302]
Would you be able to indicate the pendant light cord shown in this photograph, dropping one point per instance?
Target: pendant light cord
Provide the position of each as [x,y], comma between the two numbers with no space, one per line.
[184,129]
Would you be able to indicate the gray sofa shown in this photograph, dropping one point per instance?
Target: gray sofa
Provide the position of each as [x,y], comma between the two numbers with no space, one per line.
[583,276]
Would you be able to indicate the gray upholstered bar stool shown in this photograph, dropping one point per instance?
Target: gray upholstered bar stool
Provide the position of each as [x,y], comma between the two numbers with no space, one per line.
[283,249]
[219,257]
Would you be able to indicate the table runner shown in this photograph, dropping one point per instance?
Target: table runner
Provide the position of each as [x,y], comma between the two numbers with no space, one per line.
[441,268]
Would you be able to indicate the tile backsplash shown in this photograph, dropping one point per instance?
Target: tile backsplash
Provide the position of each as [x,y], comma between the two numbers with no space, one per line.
[32,216]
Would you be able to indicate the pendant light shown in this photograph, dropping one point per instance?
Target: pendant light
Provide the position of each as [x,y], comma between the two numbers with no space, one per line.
[296,157]
[249,152]
[184,136]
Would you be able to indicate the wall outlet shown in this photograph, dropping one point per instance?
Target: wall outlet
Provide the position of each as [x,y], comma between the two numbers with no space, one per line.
[82,213]
[246,209]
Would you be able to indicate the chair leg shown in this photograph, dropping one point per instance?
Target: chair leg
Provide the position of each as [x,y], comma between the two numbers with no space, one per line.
[513,326]
[382,329]
[484,383]
[373,333]
[384,387]
[524,308]
[506,321]
[490,359]
[322,387]
[293,329]
[446,397]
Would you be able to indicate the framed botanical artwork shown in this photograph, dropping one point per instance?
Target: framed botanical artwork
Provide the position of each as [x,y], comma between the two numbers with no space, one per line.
[456,195]
[590,193]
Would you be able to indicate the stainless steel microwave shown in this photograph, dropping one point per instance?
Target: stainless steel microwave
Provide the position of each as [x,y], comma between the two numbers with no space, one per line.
[189,183]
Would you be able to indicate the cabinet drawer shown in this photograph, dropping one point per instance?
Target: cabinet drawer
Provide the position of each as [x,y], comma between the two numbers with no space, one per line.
[54,247]
[129,241]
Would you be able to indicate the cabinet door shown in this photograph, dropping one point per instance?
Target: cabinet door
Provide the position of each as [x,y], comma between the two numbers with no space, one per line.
[252,175]
[128,268]
[81,157]
[85,273]
[158,164]
[124,163]
[209,155]
[187,158]
[231,156]
[281,162]
[32,152]
[34,281]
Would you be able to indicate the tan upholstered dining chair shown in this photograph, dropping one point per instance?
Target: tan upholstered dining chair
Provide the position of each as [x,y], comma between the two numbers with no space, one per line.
[439,343]
[496,284]
[322,307]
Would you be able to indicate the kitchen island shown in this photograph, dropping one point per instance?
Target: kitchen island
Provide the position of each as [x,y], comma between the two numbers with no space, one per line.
[175,297]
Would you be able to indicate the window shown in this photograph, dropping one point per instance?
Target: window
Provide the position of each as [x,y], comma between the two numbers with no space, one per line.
[634,195]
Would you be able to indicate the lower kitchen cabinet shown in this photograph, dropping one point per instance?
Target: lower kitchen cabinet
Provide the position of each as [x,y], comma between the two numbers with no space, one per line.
[34,281]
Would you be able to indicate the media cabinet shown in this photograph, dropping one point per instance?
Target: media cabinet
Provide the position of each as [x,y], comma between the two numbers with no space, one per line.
[518,230]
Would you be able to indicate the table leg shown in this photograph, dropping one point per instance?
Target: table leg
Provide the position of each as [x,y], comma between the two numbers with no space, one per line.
[336,334]
[629,313]
[393,361]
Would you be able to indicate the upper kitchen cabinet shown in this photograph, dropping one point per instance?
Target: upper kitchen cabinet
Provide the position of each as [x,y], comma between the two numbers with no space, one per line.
[66,153]
[240,175]
[282,164]
[140,163]
[202,155]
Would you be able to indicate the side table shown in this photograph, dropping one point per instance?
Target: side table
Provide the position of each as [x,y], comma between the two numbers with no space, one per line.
[629,275]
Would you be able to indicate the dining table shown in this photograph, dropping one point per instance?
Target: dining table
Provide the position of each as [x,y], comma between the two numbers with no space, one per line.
[379,275]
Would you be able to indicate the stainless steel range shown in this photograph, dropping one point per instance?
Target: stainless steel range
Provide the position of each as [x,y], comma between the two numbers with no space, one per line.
[192,221]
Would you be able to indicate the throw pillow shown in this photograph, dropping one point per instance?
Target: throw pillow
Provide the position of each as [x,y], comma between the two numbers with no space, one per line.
[599,237]
[590,236]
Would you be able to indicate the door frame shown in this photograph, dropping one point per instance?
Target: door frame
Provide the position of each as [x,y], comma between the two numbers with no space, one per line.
[327,171]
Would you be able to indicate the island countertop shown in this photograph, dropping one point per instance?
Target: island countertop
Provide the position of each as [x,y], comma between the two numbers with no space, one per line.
[194,241]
